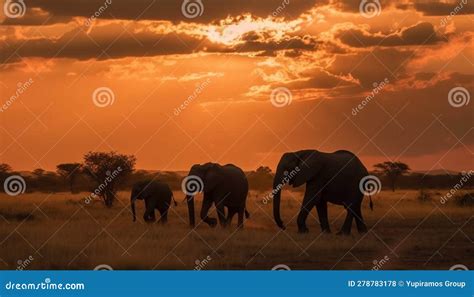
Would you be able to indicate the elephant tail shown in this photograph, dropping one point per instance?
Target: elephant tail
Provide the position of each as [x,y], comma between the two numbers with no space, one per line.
[174,201]
[371,204]
[247,214]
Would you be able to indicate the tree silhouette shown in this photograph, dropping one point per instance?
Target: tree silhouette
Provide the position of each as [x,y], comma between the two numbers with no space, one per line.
[264,170]
[108,170]
[392,170]
[69,171]
[5,171]
[5,168]
[39,172]
[260,179]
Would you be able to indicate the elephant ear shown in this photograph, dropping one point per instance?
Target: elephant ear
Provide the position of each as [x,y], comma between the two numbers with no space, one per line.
[211,176]
[308,168]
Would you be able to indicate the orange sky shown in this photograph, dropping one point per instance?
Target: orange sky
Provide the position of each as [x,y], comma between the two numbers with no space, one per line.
[222,66]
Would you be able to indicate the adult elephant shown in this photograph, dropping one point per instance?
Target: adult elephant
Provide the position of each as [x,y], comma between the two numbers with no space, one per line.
[226,186]
[157,195]
[329,177]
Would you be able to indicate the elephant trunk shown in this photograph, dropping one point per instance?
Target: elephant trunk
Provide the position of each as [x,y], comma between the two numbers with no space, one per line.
[276,192]
[132,205]
[190,201]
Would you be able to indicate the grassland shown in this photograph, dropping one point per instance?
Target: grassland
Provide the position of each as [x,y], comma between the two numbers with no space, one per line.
[60,231]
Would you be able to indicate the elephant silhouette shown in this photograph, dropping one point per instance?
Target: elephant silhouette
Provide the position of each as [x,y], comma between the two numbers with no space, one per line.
[157,195]
[329,177]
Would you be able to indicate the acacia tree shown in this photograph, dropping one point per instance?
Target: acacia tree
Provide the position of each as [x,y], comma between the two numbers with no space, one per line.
[5,170]
[108,169]
[69,171]
[392,170]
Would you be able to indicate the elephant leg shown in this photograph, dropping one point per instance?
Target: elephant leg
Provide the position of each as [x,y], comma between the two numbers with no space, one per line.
[241,219]
[230,215]
[149,215]
[221,214]
[164,216]
[346,227]
[361,228]
[206,205]
[322,208]
[308,204]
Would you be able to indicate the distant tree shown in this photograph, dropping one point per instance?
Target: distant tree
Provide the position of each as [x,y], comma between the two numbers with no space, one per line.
[5,171]
[263,170]
[38,172]
[392,170]
[260,179]
[108,169]
[69,171]
[5,168]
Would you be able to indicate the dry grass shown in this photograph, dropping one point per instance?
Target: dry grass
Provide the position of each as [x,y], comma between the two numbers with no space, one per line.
[61,232]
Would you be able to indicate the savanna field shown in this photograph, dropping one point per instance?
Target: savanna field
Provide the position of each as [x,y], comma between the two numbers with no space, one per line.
[60,231]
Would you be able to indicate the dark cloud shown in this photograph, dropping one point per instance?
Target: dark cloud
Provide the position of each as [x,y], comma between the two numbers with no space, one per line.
[372,67]
[255,42]
[103,44]
[318,79]
[427,7]
[440,8]
[36,17]
[419,34]
[169,10]
[112,41]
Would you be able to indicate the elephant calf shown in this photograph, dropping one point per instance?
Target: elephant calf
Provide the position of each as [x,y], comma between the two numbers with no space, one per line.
[157,195]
